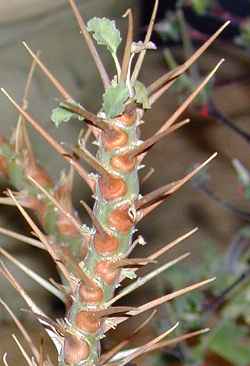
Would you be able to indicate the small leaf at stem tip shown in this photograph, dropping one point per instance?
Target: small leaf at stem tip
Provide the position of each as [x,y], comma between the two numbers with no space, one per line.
[105,33]
[141,95]
[61,114]
[114,100]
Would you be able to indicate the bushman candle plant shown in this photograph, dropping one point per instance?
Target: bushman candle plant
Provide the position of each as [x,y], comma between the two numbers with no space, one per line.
[93,262]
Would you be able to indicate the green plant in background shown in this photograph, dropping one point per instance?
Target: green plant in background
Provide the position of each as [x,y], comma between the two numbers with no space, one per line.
[227,303]
[94,261]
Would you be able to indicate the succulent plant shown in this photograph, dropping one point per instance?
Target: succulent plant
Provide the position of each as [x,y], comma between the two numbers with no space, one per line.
[93,262]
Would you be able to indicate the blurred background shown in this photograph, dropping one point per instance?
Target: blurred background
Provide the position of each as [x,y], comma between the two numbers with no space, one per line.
[217,201]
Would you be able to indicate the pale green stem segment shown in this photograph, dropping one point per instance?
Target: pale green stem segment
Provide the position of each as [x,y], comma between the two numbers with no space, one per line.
[102,210]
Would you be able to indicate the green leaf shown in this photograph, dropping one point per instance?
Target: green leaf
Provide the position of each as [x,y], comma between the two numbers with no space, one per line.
[105,33]
[61,114]
[114,100]
[141,95]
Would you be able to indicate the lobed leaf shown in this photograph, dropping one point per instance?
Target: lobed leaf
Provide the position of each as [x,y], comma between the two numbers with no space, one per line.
[61,114]
[114,100]
[105,33]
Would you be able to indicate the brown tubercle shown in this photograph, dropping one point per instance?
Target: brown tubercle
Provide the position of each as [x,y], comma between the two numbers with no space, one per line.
[90,294]
[114,138]
[105,244]
[120,219]
[112,188]
[75,350]
[87,321]
[124,163]
[107,272]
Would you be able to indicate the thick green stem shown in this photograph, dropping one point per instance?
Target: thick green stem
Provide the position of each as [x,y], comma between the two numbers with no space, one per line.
[114,196]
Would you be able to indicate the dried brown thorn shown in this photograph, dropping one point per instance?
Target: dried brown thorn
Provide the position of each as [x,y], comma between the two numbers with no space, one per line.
[173,74]
[127,50]
[90,44]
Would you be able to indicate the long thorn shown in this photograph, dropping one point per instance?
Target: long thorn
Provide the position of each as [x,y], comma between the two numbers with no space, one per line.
[6,201]
[127,50]
[90,44]
[140,59]
[55,145]
[109,355]
[170,188]
[29,81]
[190,99]
[173,74]
[42,237]
[147,176]
[168,297]
[21,328]
[36,277]
[20,237]
[112,310]
[146,145]
[89,116]
[142,280]
[6,273]
[147,346]
[92,161]
[181,338]
[22,350]
[172,244]
[49,75]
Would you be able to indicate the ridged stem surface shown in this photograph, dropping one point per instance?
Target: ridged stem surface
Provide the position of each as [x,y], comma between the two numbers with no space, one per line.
[114,196]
